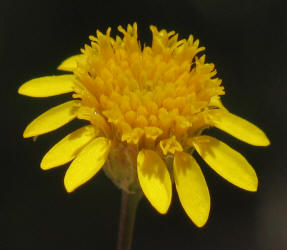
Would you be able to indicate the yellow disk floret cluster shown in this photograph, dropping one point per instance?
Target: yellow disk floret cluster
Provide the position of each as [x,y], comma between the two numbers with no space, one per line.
[150,96]
[147,108]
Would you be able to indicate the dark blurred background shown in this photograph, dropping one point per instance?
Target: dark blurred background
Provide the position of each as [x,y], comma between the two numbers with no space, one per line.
[247,42]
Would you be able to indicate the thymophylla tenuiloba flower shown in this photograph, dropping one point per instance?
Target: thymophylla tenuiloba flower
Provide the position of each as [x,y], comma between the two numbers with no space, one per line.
[147,107]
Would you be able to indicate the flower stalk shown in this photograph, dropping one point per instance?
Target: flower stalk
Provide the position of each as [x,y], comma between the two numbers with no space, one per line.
[129,204]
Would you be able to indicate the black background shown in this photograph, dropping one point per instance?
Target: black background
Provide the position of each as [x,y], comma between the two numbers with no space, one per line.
[245,39]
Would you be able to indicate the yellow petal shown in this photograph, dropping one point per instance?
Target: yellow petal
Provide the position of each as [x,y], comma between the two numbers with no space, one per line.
[89,161]
[68,148]
[52,119]
[48,86]
[70,63]
[227,162]
[154,179]
[238,127]
[191,188]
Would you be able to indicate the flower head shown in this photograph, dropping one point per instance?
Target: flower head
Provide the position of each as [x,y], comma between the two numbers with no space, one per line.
[146,109]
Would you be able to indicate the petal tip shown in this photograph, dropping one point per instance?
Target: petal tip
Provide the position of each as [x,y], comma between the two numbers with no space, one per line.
[44,165]
[262,140]
[253,188]
[163,210]
[60,67]
[250,187]
[20,90]
[266,142]
[70,63]
[23,89]
[201,220]
[69,185]
[27,133]
[200,224]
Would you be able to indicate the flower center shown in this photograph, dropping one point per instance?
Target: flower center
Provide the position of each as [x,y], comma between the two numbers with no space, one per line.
[146,96]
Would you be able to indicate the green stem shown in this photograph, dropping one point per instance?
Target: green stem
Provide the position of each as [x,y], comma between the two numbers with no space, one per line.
[129,205]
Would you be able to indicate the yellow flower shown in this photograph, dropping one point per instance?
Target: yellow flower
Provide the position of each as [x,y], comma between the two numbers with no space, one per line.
[147,107]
